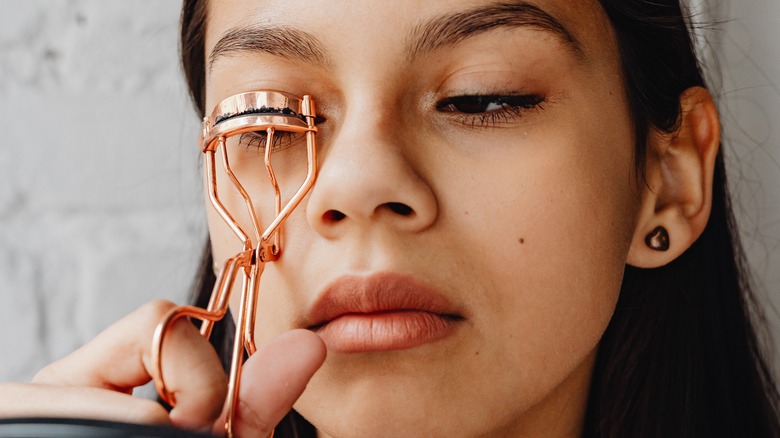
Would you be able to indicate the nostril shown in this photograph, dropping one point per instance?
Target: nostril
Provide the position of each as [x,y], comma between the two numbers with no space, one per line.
[400,208]
[333,216]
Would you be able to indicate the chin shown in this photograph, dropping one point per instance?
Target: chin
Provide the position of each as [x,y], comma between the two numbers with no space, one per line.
[379,420]
[391,405]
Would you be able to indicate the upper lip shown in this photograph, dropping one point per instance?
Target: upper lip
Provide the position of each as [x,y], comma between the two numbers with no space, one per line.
[381,292]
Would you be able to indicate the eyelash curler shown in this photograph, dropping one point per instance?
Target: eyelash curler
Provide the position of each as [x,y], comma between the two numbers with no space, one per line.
[273,113]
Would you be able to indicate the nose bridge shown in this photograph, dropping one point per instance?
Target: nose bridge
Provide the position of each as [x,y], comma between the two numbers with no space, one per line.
[367,179]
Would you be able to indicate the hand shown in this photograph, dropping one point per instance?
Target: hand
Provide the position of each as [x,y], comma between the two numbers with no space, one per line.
[97,380]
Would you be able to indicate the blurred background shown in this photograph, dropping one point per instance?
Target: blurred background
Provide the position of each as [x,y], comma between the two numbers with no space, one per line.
[100,203]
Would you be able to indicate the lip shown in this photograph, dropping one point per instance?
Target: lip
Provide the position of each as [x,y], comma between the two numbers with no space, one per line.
[381,312]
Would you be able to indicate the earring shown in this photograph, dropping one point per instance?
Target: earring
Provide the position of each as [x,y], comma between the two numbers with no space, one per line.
[658,239]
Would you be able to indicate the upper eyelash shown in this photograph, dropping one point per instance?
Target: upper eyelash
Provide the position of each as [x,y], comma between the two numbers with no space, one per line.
[258,139]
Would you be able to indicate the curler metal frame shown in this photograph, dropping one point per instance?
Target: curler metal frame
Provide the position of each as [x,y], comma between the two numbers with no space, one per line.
[271,111]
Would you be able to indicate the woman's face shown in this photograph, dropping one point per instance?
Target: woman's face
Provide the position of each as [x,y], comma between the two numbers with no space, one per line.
[463,248]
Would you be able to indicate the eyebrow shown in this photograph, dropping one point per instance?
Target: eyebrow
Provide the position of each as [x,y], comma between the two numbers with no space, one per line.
[449,30]
[280,41]
[437,33]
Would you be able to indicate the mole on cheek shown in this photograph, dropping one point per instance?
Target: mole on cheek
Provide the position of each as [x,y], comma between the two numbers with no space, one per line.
[521,240]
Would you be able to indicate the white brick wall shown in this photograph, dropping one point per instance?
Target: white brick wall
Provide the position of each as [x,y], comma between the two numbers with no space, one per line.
[100,207]
[100,204]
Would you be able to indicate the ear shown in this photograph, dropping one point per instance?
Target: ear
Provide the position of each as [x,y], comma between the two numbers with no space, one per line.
[678,192]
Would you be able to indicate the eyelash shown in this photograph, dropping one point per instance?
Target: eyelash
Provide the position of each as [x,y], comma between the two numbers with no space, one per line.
[258,139]
[508,108]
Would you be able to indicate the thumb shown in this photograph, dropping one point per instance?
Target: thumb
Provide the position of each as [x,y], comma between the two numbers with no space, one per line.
[273,379]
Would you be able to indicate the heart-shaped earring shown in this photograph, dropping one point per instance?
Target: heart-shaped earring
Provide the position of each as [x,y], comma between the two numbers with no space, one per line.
[658,239]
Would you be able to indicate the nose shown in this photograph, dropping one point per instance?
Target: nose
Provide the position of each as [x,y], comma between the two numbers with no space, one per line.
[366,180]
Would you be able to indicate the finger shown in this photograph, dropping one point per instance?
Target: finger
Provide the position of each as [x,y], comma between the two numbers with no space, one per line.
[23,400]
[119,359]
[273,379]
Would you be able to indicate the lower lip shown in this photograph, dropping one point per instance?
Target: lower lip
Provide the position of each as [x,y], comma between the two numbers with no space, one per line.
[384,331]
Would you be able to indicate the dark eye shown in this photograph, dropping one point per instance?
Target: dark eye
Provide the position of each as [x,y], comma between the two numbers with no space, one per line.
[489,103]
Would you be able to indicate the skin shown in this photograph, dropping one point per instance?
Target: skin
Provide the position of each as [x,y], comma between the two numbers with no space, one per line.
[523,221]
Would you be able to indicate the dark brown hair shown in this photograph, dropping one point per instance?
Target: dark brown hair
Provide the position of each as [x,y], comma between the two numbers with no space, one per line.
[681,356]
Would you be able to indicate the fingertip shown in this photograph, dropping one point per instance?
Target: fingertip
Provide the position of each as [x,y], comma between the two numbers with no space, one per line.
[275,377]
[309,347]
[292,356]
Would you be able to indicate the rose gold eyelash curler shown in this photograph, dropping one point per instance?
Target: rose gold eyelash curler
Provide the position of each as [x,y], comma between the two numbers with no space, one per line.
[267,112]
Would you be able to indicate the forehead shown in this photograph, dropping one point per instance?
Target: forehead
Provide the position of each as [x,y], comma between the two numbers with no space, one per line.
[347,27]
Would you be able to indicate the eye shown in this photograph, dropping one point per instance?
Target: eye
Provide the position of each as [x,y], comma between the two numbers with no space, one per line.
[487,104]
[489,110]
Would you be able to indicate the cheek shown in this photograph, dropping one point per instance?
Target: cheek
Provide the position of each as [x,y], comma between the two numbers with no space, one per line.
[559,256]
[549,232]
